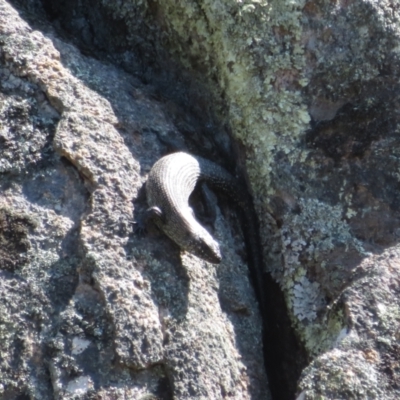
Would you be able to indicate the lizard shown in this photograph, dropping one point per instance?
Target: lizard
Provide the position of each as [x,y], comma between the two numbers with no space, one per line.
[170,183]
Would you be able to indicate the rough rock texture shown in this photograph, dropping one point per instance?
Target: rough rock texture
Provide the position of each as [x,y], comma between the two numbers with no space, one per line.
[87,309]
[304,95]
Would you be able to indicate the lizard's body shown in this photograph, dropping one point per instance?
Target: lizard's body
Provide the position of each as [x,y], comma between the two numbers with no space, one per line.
[170,183]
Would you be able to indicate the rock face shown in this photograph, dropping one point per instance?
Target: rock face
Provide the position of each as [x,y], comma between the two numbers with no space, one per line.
[88,309]
[301,98]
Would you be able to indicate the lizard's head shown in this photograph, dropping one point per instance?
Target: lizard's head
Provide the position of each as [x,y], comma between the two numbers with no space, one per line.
[205,247]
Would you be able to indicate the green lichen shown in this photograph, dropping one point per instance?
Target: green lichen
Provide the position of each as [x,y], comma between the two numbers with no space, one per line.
[322,335]
[254,50]
[313,234]
[247,52]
